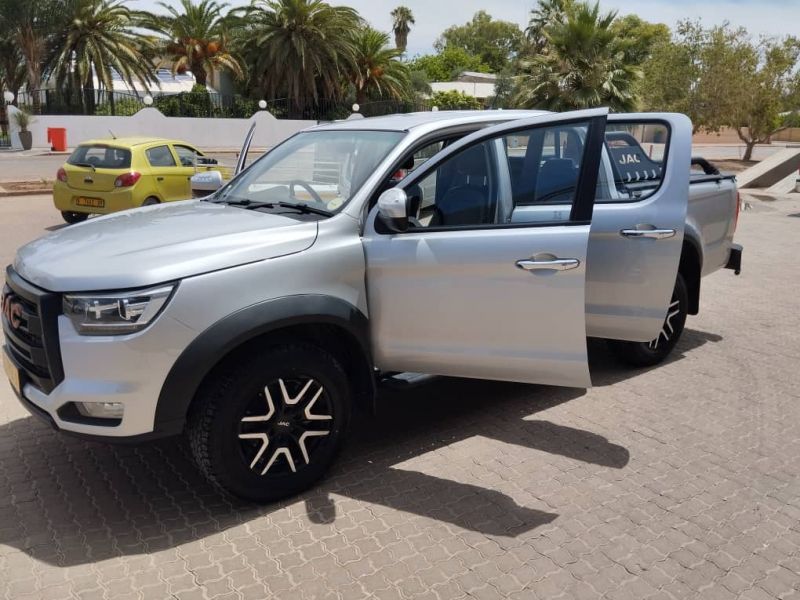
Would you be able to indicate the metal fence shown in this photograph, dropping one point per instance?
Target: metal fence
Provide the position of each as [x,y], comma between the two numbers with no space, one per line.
[201,104]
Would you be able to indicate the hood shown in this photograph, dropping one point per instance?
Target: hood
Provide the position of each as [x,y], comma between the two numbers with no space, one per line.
[160,243]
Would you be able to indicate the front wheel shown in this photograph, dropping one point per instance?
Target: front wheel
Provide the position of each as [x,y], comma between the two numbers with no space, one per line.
[270,426]
[646,354]
[73,217]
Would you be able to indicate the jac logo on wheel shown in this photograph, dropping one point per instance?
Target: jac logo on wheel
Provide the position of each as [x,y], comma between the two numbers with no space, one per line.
[12,311]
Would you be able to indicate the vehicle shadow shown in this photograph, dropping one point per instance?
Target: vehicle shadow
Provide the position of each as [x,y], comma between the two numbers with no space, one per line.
[66,501]
[606,369]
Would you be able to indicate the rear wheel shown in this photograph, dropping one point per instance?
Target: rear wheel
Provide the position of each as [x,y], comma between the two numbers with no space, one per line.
[645,354]
[73,217]
[270,426]
[151,201]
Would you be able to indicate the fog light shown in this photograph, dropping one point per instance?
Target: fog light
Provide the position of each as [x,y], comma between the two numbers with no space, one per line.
[101,410]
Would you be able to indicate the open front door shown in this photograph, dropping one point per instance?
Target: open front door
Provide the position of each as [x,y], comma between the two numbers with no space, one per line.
[468,292]
[638,225]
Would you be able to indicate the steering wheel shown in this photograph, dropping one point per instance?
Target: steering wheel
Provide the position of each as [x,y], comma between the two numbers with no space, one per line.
[306,186]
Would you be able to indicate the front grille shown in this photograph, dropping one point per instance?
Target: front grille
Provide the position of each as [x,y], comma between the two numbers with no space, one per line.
[30,325]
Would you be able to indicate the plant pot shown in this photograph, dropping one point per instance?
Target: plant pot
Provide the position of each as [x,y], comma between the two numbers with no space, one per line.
[26,139]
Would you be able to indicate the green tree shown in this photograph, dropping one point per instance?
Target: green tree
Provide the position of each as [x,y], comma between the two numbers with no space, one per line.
[378,72]
[94,37]
[584,66]
[29,25]
[671,72]
[495,43]
[447,64]
[402,19]
[12,67]
[545,14]
[765,85]
[195,37]
[640,37]
[504,88]
[455,100]
[302,49]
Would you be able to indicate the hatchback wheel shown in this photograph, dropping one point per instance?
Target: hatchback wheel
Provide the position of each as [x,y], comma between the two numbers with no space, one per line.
[73,217]
[644,354]
[271,426]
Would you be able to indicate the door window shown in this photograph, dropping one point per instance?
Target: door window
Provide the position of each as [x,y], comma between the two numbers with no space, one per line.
[187,156]
[544,164]
[636,159]
[529,175]
[160,156]
[462,191]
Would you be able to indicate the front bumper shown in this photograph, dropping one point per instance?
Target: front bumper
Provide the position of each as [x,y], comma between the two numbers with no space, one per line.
[735,259]
[128,370]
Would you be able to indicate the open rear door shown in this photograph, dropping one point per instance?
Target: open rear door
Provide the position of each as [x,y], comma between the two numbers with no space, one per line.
[638,225]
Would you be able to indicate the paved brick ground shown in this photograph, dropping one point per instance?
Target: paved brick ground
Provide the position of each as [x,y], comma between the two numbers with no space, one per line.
[680,481]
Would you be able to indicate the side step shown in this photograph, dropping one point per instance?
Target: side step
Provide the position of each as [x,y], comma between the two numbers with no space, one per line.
[405,381]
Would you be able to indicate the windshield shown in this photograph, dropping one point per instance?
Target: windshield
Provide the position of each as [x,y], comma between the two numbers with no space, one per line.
[319,169]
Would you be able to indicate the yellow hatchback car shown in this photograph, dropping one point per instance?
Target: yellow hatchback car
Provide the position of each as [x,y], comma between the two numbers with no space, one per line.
[105,176]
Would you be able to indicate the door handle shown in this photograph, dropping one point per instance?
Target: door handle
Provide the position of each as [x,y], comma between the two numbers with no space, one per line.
[159,179]
[655,234]
[555,264]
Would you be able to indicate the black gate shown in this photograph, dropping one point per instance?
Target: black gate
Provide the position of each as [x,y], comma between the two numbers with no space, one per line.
[5,138]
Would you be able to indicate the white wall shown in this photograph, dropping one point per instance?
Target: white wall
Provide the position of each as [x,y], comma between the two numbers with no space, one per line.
[205,133]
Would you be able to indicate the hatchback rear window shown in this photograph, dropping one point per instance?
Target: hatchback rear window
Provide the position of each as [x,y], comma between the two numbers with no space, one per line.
[101,157]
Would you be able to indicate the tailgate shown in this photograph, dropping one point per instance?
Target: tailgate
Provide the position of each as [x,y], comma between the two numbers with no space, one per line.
[99,180]
[95,167]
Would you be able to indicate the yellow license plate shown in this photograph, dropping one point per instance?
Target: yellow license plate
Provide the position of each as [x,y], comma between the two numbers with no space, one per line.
[11,371]
[91,202]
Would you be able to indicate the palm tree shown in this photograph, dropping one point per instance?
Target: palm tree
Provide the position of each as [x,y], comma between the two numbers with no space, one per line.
[301,49]
[402,19]
[584,65]
[195,38]
[544,15]
[378,71]
[95,38]
[28,25]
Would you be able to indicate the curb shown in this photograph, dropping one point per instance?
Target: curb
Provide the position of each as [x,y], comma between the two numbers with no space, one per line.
[6,193]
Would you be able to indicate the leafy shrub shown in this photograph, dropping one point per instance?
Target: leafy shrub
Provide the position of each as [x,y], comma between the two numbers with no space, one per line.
[122,107]
[455,100]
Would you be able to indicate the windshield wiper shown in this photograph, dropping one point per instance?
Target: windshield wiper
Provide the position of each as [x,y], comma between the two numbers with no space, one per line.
[305,208]
[85,164]
[253,205]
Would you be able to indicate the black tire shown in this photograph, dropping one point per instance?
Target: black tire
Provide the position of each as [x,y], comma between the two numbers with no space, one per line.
[236,402]
[647,354]
[74,217]
[151,201]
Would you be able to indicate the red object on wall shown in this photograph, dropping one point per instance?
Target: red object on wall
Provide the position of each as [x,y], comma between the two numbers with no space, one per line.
[57,136]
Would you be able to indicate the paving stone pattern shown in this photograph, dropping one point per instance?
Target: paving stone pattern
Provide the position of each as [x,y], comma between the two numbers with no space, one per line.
[681,481]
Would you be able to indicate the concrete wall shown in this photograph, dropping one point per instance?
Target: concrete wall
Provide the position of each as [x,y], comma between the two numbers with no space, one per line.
[220,134]
[727,135]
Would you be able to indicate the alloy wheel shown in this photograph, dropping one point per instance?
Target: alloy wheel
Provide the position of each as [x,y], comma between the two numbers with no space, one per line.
[667,329]
[284,426]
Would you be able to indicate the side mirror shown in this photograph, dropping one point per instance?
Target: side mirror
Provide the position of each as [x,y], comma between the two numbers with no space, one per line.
[393,210]
[206,182]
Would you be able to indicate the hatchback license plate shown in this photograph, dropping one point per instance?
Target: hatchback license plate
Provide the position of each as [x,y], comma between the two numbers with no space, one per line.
[92,202]
[12,372]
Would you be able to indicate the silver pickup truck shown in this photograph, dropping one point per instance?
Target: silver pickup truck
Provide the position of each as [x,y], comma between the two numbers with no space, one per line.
[470,244]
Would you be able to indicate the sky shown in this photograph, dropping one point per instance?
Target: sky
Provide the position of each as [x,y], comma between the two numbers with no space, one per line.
[760,17]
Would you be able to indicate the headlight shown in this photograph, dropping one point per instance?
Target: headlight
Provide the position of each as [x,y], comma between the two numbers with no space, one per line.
[117,313]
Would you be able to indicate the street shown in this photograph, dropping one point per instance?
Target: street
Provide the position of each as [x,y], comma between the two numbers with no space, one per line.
[680,481]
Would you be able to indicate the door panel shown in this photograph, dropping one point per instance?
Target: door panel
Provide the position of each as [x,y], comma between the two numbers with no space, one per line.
[630,277]
[462,297]
[455,303]
[172,180]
